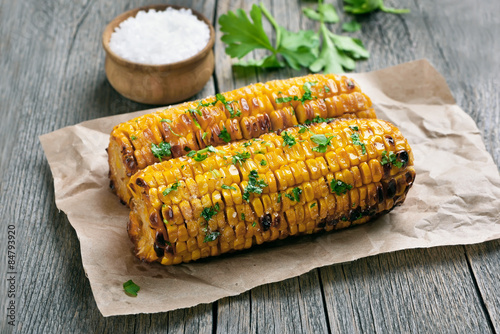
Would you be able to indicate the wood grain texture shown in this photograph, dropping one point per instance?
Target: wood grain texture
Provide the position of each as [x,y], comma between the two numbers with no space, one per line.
[52,70]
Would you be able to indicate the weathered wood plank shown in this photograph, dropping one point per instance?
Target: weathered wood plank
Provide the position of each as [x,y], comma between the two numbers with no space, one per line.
[418,291]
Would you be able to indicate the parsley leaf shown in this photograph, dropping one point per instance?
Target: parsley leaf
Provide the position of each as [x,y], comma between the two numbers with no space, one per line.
[367,6]
[240,157]
[208,213]
[303,128]
[313,205]
[131,288]
[161,150]
[295,195]
[228,187]
[202,154]
[242,216]
[322,142]
[263,162]
[173,187]
[224,135]
[243,35]
[255,185]
[132,137]
[211,236]
[325,13]
[392,158]
[285,99]
[356,141]
[288,139]
[339,187]
[351,26]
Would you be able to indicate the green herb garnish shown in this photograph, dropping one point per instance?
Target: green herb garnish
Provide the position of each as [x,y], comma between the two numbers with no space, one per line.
[356,141]
[286,99]
[313,205]
[295,195]
[211,236]
[392,158]
[241,157]
[288,140]
[173,187]
[164,120]
[227,104]
[208,213]
[242,216]
[228,187]
[339,187]
[133,137]
[327,89]
[161,150]
[204,135]
[263,162]
[254,223]
[279,198]
[131,288]
[255,185]
[224,135]
[247,143]
[303,128]
[322,142]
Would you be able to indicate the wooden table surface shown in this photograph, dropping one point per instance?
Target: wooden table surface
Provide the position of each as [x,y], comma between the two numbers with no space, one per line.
[52,75]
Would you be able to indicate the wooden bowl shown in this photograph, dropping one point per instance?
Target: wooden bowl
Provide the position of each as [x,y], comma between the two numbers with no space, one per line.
[158,84]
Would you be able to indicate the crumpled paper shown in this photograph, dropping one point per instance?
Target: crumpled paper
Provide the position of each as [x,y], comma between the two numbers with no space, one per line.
[454,200]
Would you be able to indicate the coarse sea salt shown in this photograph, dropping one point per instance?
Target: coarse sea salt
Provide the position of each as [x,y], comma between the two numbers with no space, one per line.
[160,37]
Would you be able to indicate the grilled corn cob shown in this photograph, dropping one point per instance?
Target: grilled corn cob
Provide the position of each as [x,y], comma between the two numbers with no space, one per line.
[241,114]
[304,180]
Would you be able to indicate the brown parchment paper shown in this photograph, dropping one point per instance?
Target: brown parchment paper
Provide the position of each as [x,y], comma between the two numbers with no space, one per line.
[455,200]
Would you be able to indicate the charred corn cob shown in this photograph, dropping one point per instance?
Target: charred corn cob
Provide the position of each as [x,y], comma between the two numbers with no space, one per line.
[304,180]
[241,114]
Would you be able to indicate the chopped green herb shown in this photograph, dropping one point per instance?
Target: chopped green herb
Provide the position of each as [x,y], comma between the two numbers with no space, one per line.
[263,162]
[313,205]
[286,99]
[195,111]
[173,187]
[228,187]
[204,135]
[322,142]
[344,218]
[161,150]
[133,137]
[327,89]
[228,106]
[202,154]
[392,158]
[307,90]
[187,148]
[224,135]
[254,223]
[356,141]
[259,152]
[303,128]
[241,157]
[288,140]
[340,187]
[318,119]
[165,221]
[295,195]
[131,288]
[255,185]
[166,120]
[242,216]
[279,198]
[211,236]
[182,167]
[247,143]
[208,213]
[354,127]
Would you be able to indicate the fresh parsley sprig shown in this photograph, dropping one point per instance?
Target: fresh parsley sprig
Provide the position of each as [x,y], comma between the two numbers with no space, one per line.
[255,185]
[367,6]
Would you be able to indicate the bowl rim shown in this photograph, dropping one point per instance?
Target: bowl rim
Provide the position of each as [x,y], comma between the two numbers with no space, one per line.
[115,22]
